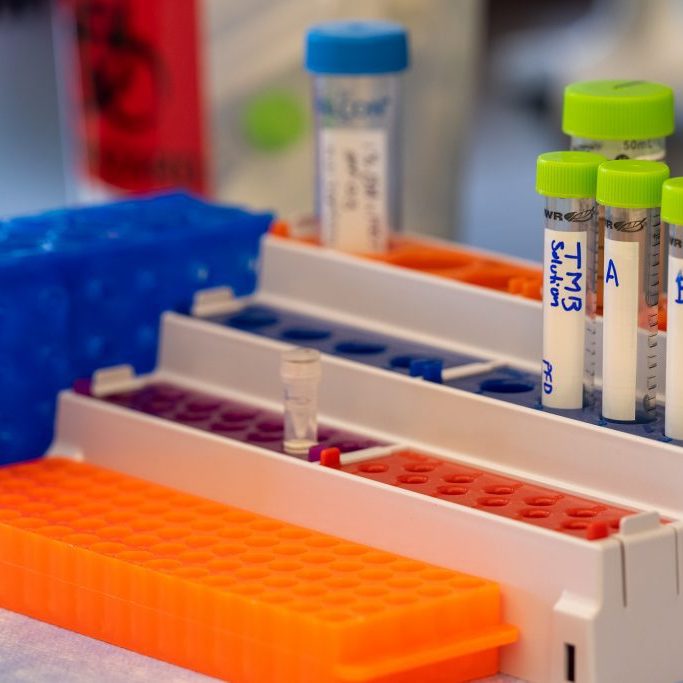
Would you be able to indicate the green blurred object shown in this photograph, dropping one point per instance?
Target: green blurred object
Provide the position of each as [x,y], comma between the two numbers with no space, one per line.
[274,119]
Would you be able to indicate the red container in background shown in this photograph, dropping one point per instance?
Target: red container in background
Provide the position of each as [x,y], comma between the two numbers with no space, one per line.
[137,116]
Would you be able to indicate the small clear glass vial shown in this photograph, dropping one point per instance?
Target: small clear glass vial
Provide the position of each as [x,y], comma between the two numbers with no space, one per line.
[356,68]
[300,372]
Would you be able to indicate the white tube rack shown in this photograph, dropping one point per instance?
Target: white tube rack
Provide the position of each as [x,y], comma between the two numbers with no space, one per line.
[589,611]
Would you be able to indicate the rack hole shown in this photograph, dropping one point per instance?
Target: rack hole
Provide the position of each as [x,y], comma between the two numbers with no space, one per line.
[238,415]
[228,427]
[575,525]
[347,446]
[570,662]
[200,405]
[535,513]
[305,334]
[583,513]
[543,501]
[403,362]
[251,319]
[360,348]
[270,426]
[493,502]
[418,467]
[459,479]
[413,479]
[505,386]
[499,490]
[452,490]
[373,468]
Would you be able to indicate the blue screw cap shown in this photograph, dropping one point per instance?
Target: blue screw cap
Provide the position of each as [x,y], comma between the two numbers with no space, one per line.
[357,48]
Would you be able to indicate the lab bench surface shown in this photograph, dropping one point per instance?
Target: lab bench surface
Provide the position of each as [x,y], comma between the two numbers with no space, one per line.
[35,652]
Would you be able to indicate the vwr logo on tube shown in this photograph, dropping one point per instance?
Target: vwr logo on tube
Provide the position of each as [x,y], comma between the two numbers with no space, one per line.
[345,108]
[571,216]
[626,226]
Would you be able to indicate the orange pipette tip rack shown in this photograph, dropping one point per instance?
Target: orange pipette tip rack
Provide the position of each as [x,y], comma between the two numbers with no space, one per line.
[230,593]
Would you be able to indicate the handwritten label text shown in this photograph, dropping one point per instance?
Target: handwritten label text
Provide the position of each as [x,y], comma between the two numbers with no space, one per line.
[565,285]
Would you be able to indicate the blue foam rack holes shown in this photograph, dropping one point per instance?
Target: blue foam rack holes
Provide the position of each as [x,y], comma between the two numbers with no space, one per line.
[83,288]
[393,353]
[524,388]
[345,341]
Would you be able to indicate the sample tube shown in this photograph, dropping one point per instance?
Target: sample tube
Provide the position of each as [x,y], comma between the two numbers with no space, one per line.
[300,372]
[631,193]
[620,120]
[672,213]
[356,67]
[568,180]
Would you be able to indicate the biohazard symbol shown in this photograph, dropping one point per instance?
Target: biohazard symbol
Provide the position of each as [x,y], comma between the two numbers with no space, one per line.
[124,79]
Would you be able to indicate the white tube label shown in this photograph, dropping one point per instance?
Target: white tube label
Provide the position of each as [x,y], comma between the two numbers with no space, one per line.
[620,330]
[564,318]
[354,189]
[673,420]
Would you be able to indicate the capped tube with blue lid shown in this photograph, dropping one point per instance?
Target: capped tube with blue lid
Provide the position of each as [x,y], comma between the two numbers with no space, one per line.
[356,68]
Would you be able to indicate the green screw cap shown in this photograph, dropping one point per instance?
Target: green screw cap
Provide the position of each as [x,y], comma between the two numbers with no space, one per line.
[567,174]
[631,183]
[672,201]
[618,110]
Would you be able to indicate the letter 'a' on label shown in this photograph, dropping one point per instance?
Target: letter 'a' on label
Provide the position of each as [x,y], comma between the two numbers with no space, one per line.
[620,330]
[353,194]
[564,318]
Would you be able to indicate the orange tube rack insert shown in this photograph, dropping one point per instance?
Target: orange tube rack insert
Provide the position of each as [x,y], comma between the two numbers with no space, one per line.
[451,262]
[230,593]
[457,263]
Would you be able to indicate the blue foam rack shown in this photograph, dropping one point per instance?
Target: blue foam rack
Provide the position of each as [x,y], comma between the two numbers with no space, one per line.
[83,288]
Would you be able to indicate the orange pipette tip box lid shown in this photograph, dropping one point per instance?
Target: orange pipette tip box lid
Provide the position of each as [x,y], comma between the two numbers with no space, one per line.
[230,593]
